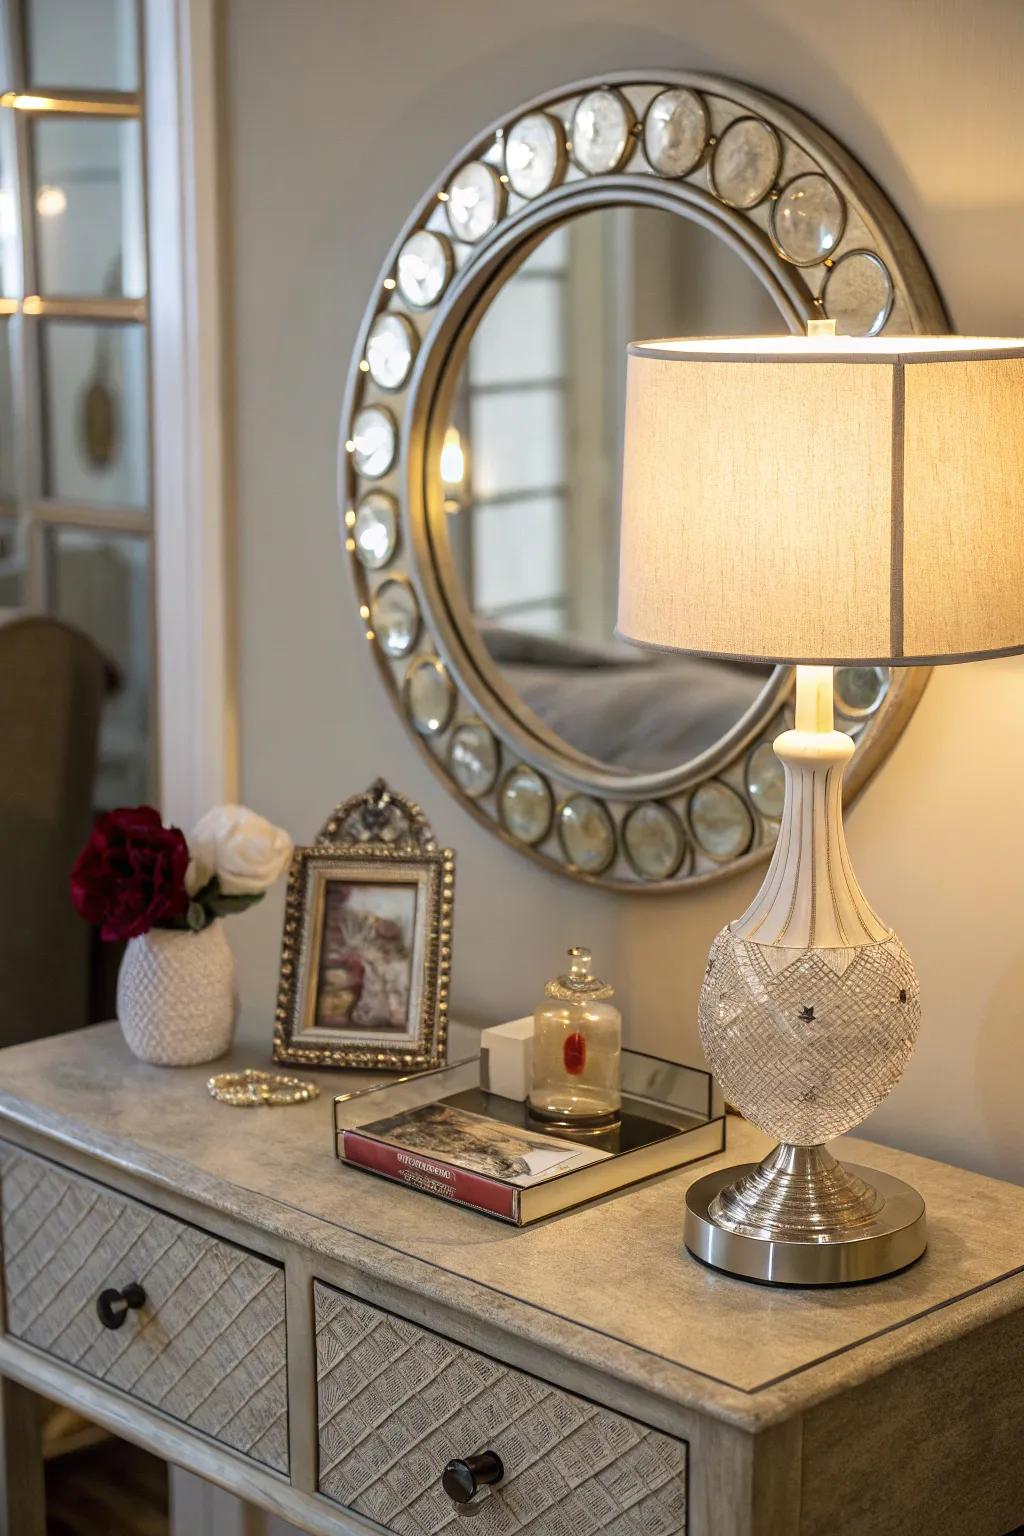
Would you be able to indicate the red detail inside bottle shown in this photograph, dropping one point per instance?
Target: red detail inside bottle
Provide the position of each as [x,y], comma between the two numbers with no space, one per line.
[574,1054]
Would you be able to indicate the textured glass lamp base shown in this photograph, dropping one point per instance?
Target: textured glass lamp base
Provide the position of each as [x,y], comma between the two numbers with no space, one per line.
[802,1218]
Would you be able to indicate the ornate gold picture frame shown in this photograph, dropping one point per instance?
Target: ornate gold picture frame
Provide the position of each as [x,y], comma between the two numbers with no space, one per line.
[366,950]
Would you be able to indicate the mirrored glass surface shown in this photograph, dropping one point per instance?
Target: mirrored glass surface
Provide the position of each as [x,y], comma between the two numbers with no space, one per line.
[745,162]
[86,44]
[7,441]
[95,412]
[10,245]
[808,219]
[473,757]
[858,294]
[600,133]
[375,529]
[586,834]
[534,153]
[654,840]
[675,132]
[721,820]
[525,804]
[429,695]
[532,526]
[766,780]
[396,617]
[87,199]
[11,563]
[101,583]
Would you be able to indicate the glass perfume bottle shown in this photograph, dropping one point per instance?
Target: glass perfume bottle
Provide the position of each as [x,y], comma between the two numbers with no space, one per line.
[577,1038]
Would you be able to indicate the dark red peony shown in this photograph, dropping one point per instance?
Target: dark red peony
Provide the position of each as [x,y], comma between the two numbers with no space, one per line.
[130,876]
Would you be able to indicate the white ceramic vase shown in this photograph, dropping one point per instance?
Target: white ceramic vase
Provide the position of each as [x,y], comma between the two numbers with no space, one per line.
[177,996]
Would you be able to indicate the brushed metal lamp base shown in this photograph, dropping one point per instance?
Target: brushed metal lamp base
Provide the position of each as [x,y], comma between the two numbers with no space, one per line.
[799,1217]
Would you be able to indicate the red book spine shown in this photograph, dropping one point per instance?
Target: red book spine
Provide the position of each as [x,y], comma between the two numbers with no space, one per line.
[430,1174]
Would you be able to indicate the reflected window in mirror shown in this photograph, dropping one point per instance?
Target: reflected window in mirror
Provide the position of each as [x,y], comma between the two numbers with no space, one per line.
[530,453]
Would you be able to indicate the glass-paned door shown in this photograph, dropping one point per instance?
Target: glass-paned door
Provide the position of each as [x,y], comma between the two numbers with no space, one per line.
[75,420]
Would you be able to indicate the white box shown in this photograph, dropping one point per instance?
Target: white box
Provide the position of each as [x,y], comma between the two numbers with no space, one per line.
[506,1059]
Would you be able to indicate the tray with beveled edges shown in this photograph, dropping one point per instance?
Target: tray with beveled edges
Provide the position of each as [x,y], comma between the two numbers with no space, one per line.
[439,1132]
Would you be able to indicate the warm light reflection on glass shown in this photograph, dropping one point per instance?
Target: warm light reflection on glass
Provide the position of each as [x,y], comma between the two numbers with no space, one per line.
[33,305]
[453,460]
[99,107]
[50,202]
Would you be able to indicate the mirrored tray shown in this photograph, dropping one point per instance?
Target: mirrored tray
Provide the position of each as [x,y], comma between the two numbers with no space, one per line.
[439,1132]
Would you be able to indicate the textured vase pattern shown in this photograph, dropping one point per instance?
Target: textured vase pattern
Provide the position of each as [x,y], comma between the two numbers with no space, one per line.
[177,998]
[807,1042]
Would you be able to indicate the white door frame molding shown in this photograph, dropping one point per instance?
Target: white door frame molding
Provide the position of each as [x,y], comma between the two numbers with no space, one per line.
[195,669]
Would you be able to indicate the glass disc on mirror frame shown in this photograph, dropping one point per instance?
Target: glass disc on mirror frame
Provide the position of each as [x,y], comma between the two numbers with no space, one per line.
[374,441]
[424,267]
[602,131]
[745,163]
[525,805]
[654,840]
[766,781]
[390,349]
[395,616]
[858,294]
[808,219]
[675,132]
[586,833]
[720,820]
[534,154]
[375,530]
[473,758]
[860,690]
[476,201]
[429,695]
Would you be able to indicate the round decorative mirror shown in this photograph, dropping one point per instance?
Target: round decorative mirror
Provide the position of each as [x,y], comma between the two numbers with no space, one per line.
[481,446]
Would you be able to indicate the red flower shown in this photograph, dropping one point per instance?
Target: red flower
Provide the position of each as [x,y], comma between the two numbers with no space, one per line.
[130,876]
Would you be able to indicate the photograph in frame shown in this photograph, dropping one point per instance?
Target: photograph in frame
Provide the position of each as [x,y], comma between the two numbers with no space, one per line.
[365,957]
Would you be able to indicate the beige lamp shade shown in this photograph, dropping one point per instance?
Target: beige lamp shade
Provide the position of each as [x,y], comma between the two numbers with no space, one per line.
[825,500]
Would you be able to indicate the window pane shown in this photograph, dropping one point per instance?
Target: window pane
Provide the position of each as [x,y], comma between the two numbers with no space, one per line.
[95,412]
[518,558]
[7,468]
[521,335]
[88,207]
[11,566]
[10,252]
[100,582]
[88,44]
[518,441]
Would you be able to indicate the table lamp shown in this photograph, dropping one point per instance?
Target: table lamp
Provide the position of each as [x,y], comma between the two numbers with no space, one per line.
[824,501]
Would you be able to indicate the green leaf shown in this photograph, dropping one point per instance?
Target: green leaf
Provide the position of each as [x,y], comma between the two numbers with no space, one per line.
[196,916]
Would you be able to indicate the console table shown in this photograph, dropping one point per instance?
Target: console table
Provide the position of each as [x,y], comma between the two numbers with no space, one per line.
[321,1342]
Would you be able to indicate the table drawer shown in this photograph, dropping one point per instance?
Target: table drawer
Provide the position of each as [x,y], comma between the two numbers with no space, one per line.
[396,1403]
[208,1344]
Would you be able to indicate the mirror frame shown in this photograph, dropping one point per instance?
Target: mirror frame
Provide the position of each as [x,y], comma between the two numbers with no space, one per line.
[475,272]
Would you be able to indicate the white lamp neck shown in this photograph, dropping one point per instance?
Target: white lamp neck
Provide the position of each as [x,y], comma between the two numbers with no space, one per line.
[811,898]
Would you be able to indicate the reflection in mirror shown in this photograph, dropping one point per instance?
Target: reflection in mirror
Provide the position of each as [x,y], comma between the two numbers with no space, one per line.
[530,453]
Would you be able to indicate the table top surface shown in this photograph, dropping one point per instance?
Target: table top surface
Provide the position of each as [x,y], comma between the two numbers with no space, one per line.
[615,1268]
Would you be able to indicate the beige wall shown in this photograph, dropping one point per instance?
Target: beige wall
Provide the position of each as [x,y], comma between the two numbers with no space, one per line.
[338,114]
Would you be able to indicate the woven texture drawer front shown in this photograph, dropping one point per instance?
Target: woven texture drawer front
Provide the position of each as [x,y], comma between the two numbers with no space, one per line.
[397,1403]
[208,1347]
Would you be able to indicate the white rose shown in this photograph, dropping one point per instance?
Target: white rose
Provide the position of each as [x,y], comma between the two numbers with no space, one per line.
[244,851]
[197,874]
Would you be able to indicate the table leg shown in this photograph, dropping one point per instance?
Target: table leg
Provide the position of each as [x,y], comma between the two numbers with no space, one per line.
[22,1486]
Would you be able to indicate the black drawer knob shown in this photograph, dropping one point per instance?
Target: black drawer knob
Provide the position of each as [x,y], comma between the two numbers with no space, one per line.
[462,1479]
[113,1306]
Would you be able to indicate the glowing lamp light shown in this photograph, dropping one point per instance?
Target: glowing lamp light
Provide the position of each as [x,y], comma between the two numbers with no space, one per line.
[51,202]
[453,460]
